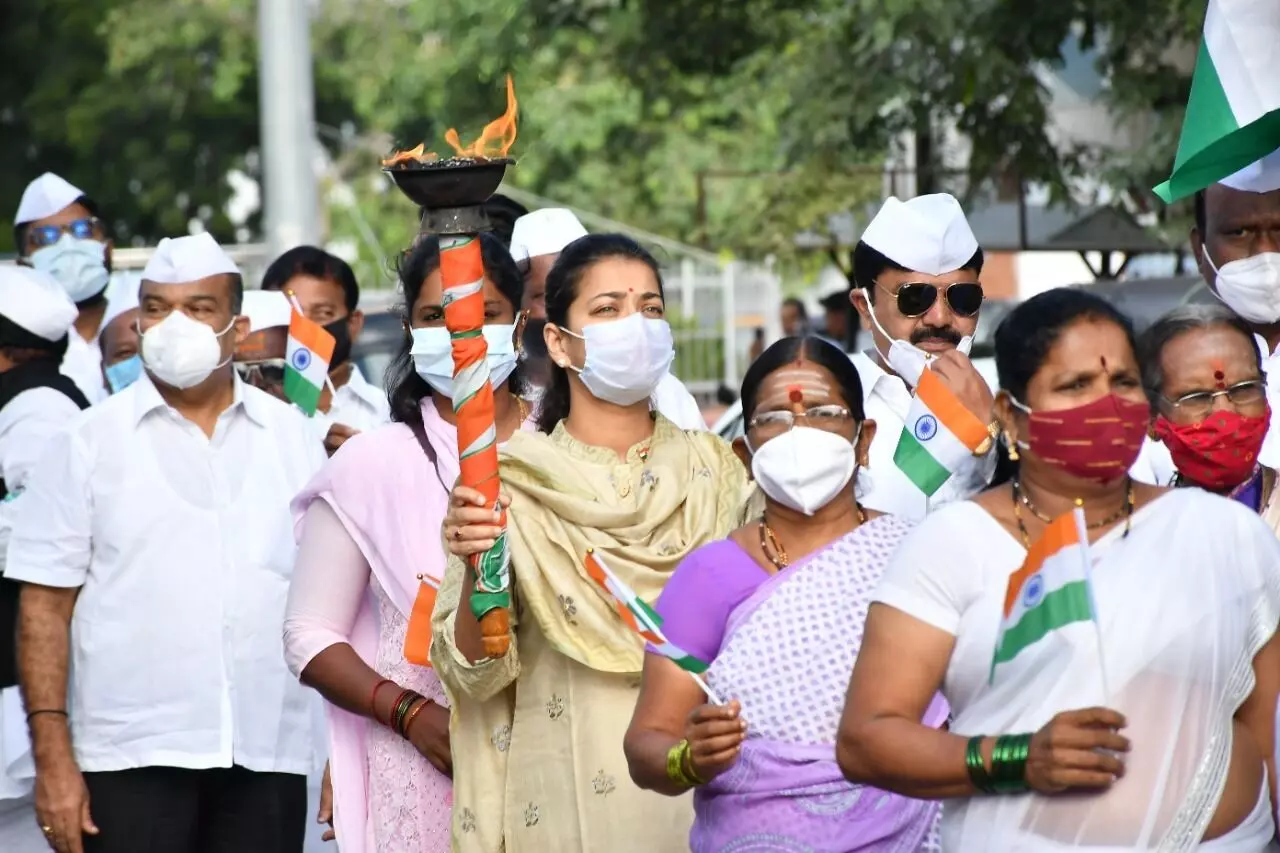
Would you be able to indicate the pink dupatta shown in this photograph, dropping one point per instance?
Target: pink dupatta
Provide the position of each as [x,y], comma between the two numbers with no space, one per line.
[391,500]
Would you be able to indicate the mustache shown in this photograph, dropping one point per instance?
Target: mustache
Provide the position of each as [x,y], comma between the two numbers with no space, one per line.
[936,333]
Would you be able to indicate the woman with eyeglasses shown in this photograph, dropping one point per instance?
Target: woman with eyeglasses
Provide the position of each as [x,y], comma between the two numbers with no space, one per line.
[777,609]
[1203,373]
[1112,700]
[916,276]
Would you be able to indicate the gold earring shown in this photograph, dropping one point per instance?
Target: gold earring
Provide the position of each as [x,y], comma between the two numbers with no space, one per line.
[1012,446]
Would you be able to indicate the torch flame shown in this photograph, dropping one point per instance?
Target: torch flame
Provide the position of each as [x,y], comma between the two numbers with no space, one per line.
[493,142]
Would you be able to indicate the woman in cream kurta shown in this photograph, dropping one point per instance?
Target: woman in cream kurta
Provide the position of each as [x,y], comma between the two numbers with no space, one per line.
[537,734]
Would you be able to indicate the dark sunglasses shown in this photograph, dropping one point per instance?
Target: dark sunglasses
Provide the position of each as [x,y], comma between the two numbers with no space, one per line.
[82,229]
[914,299]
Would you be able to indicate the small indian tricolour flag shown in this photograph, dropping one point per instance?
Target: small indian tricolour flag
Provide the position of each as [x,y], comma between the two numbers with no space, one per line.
[1050,591]
[306,362]
[644,620]
[938,435]
[1233,112]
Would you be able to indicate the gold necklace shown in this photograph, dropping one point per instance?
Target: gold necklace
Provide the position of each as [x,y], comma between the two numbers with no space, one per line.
[1020,500]
[771,545]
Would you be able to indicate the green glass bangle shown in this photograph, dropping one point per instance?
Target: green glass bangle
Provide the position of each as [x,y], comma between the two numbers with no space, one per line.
[1009,763]
[977,770]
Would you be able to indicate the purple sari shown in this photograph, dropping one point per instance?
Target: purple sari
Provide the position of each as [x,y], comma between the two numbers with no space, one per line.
[785,651]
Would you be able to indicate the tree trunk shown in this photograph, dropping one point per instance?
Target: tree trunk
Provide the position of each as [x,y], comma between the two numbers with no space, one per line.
[926,172]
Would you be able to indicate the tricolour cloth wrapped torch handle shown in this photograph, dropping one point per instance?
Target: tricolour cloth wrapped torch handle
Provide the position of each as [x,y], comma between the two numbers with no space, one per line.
[462,282]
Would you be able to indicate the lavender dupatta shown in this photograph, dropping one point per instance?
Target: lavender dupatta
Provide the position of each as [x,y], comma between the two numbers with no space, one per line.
[787,655]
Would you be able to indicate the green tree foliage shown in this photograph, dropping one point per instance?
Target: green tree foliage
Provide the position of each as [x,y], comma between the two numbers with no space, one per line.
[734,125]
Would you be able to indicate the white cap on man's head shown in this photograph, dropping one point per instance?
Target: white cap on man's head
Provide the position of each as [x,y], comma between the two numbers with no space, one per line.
[122,297]
[45,196]
[180,260]
[266,309]
[34,300]
[1260,177]
[927,234]
[544,232]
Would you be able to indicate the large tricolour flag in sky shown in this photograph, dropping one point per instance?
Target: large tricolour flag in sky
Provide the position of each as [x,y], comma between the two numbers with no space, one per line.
[306,362]
[1050,591]
[938,435]
[1233,113]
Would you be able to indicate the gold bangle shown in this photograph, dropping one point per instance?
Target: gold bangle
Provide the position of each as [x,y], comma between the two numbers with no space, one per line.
[675,765]
[686,767]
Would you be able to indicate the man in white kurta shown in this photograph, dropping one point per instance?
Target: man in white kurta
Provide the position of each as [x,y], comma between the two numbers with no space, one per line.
[1237,223]
[155,545]
[537,241]
[59,232]
[916,245]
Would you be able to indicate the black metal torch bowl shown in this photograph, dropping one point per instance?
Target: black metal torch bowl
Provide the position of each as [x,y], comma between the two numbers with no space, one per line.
[452,183]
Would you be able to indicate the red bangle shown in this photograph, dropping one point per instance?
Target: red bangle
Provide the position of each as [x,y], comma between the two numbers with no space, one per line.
[373,709]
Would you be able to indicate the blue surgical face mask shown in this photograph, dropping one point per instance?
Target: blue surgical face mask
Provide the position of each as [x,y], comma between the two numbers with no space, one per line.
[122,374]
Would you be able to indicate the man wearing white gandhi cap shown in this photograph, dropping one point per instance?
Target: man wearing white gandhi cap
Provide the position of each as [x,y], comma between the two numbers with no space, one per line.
[58,230]
[36,400]
[916,287]
[536,242]
[155,544]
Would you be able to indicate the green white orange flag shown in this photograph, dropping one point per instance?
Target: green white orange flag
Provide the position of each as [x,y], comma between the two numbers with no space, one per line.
[1050,591]
[1233,113]
[938,436]
[306,362]
[644,620]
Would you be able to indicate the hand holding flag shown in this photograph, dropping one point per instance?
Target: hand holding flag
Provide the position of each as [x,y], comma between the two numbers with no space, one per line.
[938,436]
[306,367]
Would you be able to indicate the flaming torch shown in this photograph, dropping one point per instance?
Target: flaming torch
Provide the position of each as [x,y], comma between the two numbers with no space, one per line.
[451,193]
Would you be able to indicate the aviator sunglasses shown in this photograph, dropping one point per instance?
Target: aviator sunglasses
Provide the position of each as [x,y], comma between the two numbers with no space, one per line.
[915,299]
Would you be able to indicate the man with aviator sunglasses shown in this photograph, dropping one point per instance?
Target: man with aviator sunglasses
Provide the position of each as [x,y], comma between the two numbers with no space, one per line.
[916,288]
[57,230]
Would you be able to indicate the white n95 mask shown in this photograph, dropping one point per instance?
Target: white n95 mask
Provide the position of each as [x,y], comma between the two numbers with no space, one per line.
[1250,286]
[905,358]
[182,352]
[432,354]
[626,359]
[79,265]
[804,468]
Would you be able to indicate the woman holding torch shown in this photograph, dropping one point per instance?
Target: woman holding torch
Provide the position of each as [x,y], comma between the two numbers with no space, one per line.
[537,732]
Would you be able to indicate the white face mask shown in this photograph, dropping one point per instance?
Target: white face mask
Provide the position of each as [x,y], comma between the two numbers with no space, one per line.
[904,358]
[804,468]
[1250,286]
[433,356]
[80,266]
[182,352]
[626,359]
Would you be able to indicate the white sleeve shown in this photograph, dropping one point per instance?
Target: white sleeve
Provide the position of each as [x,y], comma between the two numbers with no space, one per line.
[28,422]
[677,405]
[1154,465]
[52,539]
[931,575]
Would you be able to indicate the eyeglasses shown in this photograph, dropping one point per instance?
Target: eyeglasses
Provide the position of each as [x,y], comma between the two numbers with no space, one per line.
[915,299]
[1200,403]
[829,417]
[82,229]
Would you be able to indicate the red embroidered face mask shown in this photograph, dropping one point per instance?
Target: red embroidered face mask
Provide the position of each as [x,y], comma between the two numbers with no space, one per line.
[1218,453]
[1097,441]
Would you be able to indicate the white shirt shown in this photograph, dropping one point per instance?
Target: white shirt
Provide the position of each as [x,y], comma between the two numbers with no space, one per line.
[26,424]
[887,401]
[83,363]
[182,547]
[358,404]
[677,404]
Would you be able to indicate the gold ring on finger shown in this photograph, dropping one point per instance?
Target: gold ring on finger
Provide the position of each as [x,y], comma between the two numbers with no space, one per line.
[47,830]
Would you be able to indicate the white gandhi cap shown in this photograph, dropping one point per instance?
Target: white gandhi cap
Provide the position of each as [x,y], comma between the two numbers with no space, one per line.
[181,260]
[927,234]
[266,309]
[1260,177]
[45,196]
[121,298]
[544,232]
[35,301]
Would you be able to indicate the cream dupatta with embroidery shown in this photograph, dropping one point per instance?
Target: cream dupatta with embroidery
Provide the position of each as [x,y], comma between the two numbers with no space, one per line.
[537,734]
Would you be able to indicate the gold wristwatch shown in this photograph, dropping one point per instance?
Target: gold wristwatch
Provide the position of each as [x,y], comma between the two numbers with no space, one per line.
[993,433]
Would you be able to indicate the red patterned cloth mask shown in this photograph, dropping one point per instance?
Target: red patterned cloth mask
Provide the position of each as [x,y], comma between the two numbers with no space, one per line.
[1097,441]
[1218,453]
